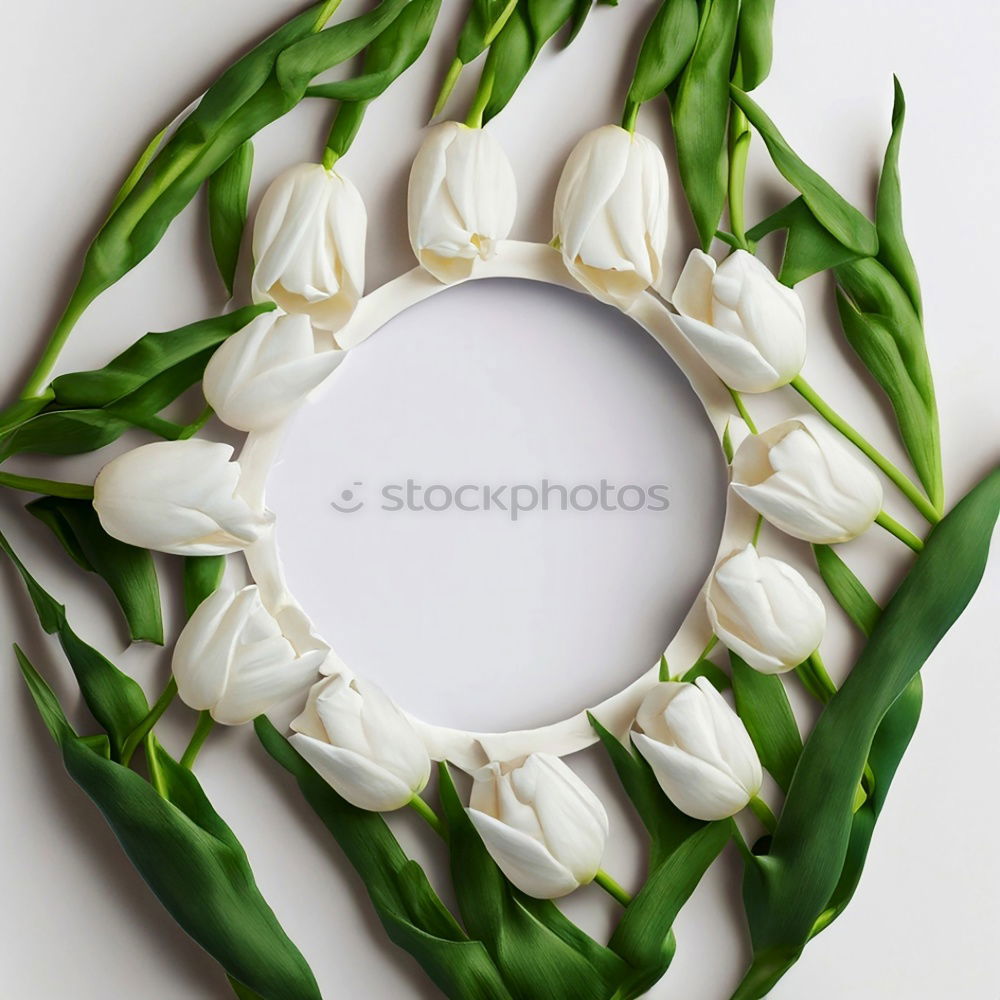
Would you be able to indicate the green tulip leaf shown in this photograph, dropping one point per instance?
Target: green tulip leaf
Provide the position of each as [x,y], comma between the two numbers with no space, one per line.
[809,247]
[762,704]
[115,700]
[666,825]
[228,193]
[894,253]
[841,219]
[482,23]
[533,959]
[508,62]
[64,432]
[643,937]
[412,914]
[387,58]
[847,589]
[719,679]
[754,42]
[885,332]
[127,570]
[202,576]
[787,892]
[188,856]
[665,51]
[700,116]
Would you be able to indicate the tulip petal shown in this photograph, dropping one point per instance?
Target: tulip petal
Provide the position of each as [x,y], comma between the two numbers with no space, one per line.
[694,787]
[525,862]
[352,776]
[735,360]
[692,295]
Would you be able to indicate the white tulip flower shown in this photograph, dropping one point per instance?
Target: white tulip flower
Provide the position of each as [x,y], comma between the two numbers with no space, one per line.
[749,328]
[462,199]
[807,481]
[764,611]
[361,744]
[309,245]
[545,829]
[232,660]
[698,749]
[262,373]
[179,497]
[610,215]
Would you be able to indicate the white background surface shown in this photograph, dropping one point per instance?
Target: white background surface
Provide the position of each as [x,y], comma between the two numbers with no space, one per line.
[86,84]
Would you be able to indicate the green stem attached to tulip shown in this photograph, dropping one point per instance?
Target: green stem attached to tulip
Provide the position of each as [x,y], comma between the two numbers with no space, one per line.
[145,727]
[907,537]
[426,813]
[201,731]
[613,888]
[835,420]
[47,487]
[764,813]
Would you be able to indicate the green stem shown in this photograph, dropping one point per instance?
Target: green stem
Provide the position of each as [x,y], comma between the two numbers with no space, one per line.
[740,842]
[201,731]
[498,24]
[189,430]
[330,157]
[742,410]
[612,888]
[40,375]
[482,98]
[834,419]
[145,727]
[629,115]
[757,529]
[822,683]
[329,8]
[47,487]
[422,809]
[739,151]
[763,812]
[903,533]
[156,776]
[709,646]
[450,79]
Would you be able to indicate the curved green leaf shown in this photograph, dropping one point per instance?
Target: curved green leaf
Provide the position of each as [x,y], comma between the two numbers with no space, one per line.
[188,857]
[409,909]
[841,219]
[115,700]
[786,892]
[762,704]
[700,115]
[754,42]
[884,330]
[893,250]
[228,192]
[847,589]
[666,48]
[127,570]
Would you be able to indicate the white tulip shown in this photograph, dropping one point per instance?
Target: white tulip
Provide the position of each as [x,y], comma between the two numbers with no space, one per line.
[610,214]
[232,660]
[461,201]
[309,245]
[764,611]
[807,481]
[545,829]
[178,497]
[361,744]
[698,749]
[261,374]
[749,328]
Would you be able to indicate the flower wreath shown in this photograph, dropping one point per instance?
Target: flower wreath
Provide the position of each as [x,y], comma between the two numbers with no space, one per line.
[531,831]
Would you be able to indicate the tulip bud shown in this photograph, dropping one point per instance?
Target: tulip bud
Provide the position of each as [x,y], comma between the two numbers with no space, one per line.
[309,245]
[764,611]
[263,372]
[698,749]
[232,660]
[462,200]
[178,497]
[361,744]
[806,481]
[749,328]
[545,829]
[611,214]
